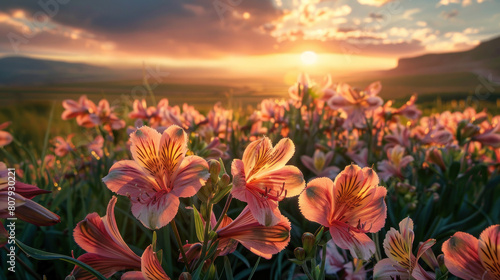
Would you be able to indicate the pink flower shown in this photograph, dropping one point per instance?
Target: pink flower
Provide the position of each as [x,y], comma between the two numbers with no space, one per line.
[264,241]
[150,268]
[63,146]
[469,258]
[95,147]
[298,90]
[401,263]
[78,109]
[106,250]
[318,164]
[159,174]
[262,179]
[350,207]
[489,137]
[355,103]
[5,137]
[396,160]
[26,209]
[399,135]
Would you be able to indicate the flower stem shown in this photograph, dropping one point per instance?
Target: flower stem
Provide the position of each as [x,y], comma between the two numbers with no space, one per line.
[179,243]
[306,270]
[224,211]
[323,262]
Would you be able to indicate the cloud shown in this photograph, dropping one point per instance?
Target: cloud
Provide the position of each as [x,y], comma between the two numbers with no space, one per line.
[449,14]
[376,3]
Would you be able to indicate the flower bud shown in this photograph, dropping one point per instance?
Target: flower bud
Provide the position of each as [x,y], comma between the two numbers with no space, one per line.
[185,276]
[300,253]
[224,181]
[308,242]
[214,169]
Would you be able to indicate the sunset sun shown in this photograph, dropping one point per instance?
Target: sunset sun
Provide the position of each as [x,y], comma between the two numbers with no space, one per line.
[308,57]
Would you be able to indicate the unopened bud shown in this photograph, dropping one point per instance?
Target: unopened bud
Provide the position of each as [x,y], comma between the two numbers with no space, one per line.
[214,169]
[308,242]
[300,253]
[440,260]
[224,181]
[185,276]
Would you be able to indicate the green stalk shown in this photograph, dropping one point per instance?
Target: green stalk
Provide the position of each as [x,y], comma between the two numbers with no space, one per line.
[179,243]
[323,262]
[224,211]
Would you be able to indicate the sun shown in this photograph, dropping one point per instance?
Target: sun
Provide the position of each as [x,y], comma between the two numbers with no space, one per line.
[308,57]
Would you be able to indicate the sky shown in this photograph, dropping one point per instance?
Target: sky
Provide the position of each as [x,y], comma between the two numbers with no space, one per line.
[244,36]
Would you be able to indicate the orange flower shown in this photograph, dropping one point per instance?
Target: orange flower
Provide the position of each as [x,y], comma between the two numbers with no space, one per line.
[469,258]
[401,263]
[106,250]
[5,137]
[262,179]
[150,268]
[351,206]
[159,174]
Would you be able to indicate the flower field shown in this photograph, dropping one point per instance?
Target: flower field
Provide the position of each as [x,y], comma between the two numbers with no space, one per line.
[332,182]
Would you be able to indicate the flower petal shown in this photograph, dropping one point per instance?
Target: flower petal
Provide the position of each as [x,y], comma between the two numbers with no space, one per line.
[265,211]
[5,138]
[262,240]
[239,180]
[150,266]
[290,176]
[308,162]
[27,210]
[316,201]
[173,148]
[359,244]
[398,250]
[191,176]
[144,146]
[158,211]
[105,265]
[387,269]
[489,249]
[461,256]
[127,178]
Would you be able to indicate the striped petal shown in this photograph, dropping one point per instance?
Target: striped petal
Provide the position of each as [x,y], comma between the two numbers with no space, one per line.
[127,178]
[239,180]
[398,249]
[261,240]
[265,211]
[387,269]
[260,156]
[461,256]
[489,250]
[316,201]
[145,143]
[105,265]
[192,175]
[156,212]
[150,266]
[290,176]
[173,148]
[358,243]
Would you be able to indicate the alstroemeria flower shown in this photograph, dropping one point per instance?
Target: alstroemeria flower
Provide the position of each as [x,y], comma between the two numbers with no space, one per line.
[63,146]
[106,250]
[78,109]
[262,179]
[159,174]
[401,263]
[150,268]
[264,241]
[26,209]
[5,137]
[396,160]
[356,103]
[318,164]
[350,207]
[469,258]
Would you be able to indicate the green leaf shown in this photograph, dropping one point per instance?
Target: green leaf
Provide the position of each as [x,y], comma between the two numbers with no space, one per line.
[227,268]
[254,269]
[198,224]
[222,193]
[46,256]
[242,258]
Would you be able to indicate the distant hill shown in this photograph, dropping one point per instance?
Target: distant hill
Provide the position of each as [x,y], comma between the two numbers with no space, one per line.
[24,71]
[484,59]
